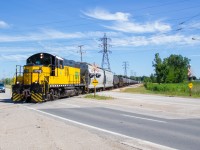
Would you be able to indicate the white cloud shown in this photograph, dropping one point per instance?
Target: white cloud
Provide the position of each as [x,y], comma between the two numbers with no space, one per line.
[3,24]
[105,15]
[55,34]
[130,41]
[17,57]
[165,39]
[155,40]
[45,34]
[194,25]
[50,34]
[132,27]
[121,22]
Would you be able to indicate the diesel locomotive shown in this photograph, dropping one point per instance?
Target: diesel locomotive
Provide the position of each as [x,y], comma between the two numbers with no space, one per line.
[48,77]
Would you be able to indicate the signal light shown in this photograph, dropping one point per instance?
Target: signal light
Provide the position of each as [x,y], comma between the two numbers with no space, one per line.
[98,75]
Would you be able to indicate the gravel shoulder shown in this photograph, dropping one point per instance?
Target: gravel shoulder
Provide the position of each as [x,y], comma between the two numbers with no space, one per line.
[24,129]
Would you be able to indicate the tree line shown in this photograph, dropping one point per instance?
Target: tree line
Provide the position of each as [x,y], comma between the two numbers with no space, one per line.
[173,69]
[7,81]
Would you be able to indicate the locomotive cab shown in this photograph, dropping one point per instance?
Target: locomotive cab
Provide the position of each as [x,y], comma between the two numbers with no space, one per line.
[41,66]
[46,60]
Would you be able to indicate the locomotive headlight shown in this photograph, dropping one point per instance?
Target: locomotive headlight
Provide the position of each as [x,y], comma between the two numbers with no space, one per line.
[41,56]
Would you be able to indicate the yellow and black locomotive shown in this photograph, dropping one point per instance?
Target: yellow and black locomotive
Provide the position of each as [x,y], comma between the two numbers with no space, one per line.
[46,77]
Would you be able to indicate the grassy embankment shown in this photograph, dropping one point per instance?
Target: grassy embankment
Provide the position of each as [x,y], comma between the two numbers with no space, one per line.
[180,89]
[98,97]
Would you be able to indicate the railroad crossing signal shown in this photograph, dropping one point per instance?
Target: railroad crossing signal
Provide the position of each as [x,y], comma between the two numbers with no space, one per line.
[95,68]
[190,85]
[95,82]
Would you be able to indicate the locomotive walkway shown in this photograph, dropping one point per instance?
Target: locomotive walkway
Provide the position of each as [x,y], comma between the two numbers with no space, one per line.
[127,122]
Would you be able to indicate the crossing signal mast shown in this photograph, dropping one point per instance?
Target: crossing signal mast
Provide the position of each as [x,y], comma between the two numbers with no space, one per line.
[105,60]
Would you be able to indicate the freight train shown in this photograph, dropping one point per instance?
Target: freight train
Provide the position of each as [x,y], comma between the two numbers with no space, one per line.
[48,77]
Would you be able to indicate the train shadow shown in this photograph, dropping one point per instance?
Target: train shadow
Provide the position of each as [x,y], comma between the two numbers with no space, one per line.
[8,100]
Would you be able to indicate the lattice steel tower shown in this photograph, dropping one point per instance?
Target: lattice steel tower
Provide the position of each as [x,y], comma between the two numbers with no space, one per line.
[105,60]
[125,66]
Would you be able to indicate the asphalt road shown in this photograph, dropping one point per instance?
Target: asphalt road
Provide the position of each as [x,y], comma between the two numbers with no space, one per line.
[179,134]
[174,133]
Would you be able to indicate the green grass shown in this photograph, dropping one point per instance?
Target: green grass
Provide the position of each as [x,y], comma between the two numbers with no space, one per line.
[141,89]
[98,97]
[180,89]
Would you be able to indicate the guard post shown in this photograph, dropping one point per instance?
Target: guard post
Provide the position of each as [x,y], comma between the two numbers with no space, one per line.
[95,82]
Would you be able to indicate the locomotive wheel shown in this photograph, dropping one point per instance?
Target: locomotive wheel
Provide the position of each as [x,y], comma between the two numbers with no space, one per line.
[56,94]
[77,91]
[52,97]
[48,97]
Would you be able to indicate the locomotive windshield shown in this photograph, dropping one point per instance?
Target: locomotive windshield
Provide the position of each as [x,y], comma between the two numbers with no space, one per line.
[41,59]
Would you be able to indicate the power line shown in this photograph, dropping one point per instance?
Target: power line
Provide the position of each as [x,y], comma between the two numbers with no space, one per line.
[179,25]
[171,11]
[163,4]
[105,59]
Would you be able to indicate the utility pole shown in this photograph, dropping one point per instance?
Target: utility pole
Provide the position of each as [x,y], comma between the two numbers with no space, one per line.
[80,51]
[105,60]
[125,66]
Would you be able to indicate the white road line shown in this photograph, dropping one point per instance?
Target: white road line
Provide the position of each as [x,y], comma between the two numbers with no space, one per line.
[141,142]
[143,118]
[70,104]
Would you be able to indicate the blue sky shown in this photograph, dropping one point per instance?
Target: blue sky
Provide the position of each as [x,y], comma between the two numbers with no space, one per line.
[137,29]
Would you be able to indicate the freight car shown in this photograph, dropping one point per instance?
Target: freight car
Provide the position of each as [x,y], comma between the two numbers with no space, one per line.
[119,81]
[104,77]
[47,77]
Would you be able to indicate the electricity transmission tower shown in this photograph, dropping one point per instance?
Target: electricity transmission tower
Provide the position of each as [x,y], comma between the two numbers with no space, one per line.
[125,67]
[105,60]
[80,51]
